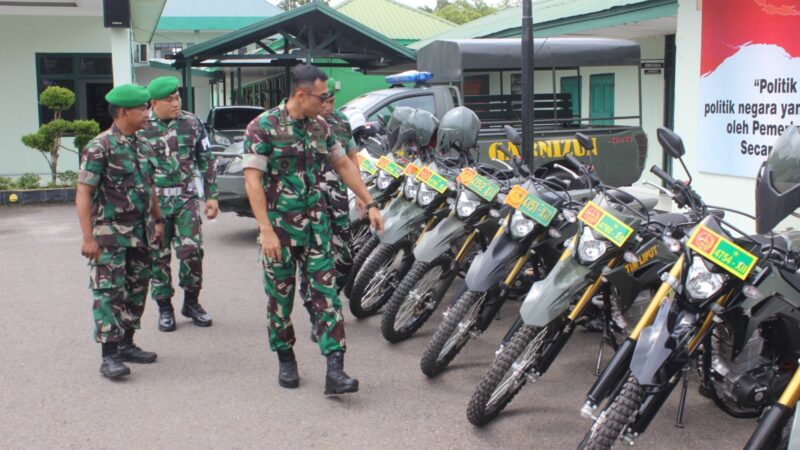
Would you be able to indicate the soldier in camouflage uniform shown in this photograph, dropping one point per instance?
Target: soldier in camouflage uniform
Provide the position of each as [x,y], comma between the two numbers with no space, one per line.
[181,145]
[118,214]
[286,149]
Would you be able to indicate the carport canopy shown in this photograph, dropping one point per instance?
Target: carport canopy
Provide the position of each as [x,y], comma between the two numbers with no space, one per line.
[312,31]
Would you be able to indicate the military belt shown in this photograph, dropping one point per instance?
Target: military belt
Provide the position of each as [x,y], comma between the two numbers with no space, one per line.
[169,191]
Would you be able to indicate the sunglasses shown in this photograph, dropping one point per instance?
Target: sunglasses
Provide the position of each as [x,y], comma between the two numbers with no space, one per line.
[323,98]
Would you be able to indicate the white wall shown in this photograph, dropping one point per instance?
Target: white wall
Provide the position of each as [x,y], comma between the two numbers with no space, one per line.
[21,37]
[722,190]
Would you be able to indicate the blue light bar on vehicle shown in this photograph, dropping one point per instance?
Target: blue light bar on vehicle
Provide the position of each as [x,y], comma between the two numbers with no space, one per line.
[409,76]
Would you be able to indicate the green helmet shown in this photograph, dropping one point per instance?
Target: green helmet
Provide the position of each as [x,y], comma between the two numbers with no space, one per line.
[458,130]
[778,183]
[419,128]
[399,115]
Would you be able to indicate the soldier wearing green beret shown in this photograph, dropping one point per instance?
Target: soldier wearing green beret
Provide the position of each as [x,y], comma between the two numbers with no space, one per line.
[181,146]
[119,214]
[285,150]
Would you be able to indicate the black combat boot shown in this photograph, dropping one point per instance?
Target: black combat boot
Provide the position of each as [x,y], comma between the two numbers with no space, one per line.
[193,310]
[313,317]
[130,352]
[336,381]
[112,365]
[166,315]
[287,369]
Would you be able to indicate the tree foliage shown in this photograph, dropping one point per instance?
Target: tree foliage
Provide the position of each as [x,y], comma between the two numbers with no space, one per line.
[286,5]
[462,11]
[47,139]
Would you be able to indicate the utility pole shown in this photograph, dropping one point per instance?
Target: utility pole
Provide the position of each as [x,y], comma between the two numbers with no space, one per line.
[527,82]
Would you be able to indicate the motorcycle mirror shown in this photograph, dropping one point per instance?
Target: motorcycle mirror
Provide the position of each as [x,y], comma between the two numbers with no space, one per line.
[671,142]
[512,135]
[585,141]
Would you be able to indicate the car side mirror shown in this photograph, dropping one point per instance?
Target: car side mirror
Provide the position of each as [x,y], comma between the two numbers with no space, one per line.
[512,135]
[671,142]
[585,141]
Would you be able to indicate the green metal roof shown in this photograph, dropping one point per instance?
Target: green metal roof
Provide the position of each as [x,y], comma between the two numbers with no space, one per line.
[393,19]
[144,17]
[558,17]
[271,26]
[205,23]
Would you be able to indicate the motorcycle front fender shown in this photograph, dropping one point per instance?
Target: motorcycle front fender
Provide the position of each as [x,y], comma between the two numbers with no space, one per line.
[400,217]
[492,265]
[439,239]
[549,298]
[659,343]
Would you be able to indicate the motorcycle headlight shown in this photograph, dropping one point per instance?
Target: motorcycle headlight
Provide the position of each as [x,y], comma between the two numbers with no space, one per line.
[521,226]
[220,139]
[466,204]
[701,283]
[384,180]
[410,188]
[425,196]
[590,249]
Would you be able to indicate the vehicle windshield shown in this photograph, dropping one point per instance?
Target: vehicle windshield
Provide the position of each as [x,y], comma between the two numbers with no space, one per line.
[234,118]
[364,102]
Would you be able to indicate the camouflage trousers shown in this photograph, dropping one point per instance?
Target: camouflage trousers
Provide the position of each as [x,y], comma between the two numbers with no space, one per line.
[339,210]
[316,266]
[118,280]
[182,232]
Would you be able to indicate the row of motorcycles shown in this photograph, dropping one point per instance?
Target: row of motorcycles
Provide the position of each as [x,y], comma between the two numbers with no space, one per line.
[671,293]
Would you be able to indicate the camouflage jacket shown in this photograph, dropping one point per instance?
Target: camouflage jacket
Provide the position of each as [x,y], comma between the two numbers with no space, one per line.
[121,170]
[340,127]
[292,154]
[181,145]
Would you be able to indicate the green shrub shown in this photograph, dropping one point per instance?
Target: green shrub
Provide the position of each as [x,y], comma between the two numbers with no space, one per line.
[68,178]
[29,181]
[7,184]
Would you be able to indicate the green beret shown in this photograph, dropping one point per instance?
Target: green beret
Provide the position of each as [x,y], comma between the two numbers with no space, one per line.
[128,96]
[162,87]
[332,86]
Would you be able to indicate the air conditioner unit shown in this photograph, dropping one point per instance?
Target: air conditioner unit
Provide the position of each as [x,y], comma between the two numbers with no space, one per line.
[140,53]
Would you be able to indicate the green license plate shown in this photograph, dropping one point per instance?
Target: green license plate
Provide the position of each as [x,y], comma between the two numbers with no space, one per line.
[390,167]
[530,205]
[722,252]
[432,179]
[478,184]
[605,223]
[367,164]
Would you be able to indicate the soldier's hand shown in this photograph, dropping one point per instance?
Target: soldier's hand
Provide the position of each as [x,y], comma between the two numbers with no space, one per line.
[90,249]
[270,245]
[212,209]
[361,207]
[159,234]
[376,219]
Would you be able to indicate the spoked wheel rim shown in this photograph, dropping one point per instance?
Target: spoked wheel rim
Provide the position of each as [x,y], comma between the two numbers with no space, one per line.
[415,303]
[359,237]
[515,375]
[462,330]
[383,281]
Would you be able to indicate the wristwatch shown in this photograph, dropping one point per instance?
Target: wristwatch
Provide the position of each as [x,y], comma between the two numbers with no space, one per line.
[371,205]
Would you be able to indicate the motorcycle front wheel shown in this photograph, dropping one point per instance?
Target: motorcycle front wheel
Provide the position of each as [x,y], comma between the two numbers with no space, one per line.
[453,333]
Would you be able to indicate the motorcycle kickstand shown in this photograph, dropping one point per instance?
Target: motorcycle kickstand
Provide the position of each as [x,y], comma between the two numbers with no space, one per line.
[679,421]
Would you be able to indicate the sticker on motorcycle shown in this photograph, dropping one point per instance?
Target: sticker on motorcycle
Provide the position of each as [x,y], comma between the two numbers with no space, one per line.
[478,184]
[529,205]
[722,252]
[432,179]
[390,167]
[411,169]
[367,164]
[605,223]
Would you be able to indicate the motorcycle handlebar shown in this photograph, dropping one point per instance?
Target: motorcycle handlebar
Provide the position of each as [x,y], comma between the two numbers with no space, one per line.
[664,176]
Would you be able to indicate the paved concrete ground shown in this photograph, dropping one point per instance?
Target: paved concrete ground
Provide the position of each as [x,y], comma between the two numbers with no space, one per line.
[217,387]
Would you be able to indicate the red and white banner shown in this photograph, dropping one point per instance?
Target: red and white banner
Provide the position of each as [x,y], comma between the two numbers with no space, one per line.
[749,76]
